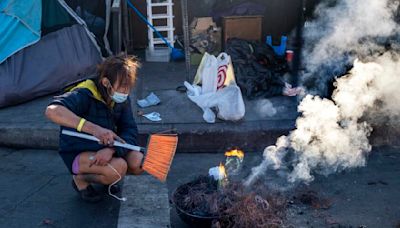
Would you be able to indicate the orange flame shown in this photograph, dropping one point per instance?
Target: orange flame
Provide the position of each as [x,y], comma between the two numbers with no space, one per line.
[221,170]
[236,153]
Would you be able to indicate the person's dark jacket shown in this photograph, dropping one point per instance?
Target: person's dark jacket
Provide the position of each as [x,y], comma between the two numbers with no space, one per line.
[85,101]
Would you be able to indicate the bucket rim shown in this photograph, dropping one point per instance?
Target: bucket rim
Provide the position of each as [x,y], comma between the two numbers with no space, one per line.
[187,213]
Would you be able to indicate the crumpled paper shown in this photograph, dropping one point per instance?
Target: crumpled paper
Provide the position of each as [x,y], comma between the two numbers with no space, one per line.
[150,100]
[153,116]
[215,173]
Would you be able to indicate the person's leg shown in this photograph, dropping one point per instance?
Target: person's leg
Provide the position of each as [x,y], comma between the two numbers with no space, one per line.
[98,174]
[134,161]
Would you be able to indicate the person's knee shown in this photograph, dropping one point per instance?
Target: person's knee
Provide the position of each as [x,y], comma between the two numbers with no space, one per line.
[121,166]
[136,170]
[118,170]
[134,163]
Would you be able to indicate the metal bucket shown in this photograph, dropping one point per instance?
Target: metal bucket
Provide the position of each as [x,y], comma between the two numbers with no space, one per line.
[189,218]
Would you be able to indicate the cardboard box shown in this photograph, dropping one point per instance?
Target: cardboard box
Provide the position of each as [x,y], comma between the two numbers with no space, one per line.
[242,27]
[205,36]
[201,25]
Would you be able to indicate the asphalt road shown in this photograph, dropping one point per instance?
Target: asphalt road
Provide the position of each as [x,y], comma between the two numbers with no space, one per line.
[36,192]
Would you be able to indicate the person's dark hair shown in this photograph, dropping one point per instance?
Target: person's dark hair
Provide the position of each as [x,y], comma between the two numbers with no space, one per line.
[121,68]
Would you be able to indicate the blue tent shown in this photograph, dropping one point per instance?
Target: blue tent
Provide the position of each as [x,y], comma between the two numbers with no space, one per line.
[44,45]
[20,25]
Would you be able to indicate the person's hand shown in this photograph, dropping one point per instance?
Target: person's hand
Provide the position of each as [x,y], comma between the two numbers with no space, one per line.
[102,157]
[106,136]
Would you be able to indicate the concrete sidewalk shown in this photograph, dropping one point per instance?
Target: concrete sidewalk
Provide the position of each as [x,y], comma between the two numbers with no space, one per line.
[25,125]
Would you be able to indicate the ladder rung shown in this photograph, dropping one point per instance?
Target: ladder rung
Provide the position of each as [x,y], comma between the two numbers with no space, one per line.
[161,4]
[164,28]
[160,41]
[161,16]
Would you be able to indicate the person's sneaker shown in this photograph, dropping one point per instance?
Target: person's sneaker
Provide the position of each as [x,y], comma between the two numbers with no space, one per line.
[89,194]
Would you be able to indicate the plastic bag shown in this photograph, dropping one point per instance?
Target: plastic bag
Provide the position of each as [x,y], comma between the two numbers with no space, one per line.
[218,89]
[214,73]
[207,73]
[225,75]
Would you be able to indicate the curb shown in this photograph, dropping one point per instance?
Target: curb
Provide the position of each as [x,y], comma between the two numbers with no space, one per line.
[218,137]
[203,138]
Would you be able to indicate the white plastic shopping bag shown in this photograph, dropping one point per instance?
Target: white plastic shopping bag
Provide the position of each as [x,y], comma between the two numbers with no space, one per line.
[225,75]
[209,81]
[214,73]
[218,89]
[206,73]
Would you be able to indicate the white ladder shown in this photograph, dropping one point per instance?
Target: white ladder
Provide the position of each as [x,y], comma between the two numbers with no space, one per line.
[165,23]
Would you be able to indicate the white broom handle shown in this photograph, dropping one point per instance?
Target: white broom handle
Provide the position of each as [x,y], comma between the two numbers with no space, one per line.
[90,137]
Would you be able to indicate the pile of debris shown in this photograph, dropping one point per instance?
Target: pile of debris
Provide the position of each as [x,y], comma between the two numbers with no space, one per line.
[258,70]
[205,36]
[230,204]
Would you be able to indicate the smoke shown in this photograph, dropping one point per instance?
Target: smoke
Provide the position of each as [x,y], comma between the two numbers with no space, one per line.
[343,31]
[388,84]
[265,108]
[330,135]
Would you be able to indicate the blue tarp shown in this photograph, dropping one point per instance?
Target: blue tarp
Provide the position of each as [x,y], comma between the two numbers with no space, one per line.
[20,23]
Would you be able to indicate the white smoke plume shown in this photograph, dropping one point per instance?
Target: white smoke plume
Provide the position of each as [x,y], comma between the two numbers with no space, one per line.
[265,108]
[343,31]
[330,135]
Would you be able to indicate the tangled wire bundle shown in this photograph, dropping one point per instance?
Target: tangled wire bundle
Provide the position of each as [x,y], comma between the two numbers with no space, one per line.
[234,205]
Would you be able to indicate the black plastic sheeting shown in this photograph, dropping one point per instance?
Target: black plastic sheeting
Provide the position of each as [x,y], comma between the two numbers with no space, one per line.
[258,70]
[58,59]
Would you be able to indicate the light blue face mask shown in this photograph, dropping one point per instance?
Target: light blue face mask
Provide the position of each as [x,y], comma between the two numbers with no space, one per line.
[119,97]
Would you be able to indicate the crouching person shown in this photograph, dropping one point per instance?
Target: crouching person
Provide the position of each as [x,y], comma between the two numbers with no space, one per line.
[100,107]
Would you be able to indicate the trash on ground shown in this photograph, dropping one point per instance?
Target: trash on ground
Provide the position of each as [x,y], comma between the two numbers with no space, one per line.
[217,173]
[150,100]
[153,116]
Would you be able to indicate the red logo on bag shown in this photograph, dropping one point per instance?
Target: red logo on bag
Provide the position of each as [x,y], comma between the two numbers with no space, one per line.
[221,76]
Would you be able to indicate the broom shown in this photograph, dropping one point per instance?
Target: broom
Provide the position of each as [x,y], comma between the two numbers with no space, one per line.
[158,155]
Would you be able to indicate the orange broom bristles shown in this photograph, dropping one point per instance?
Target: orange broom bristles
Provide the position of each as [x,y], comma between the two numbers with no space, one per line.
[160,152]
